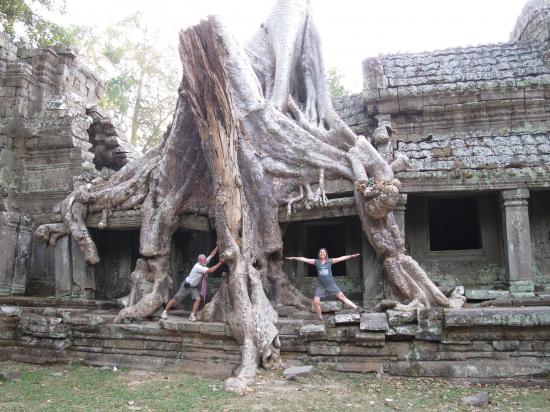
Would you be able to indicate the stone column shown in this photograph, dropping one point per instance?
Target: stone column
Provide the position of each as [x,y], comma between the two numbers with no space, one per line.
[22,258]
[8,240]
[517,238]
[399,213]
[63,270]
[83,275]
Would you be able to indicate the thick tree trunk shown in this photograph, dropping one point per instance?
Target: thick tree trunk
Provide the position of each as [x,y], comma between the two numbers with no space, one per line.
[247,127]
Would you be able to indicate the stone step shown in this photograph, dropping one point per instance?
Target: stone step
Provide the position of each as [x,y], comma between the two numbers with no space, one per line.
[486,294]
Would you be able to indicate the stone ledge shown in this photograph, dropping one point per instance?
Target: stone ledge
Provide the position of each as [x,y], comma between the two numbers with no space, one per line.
[521,317]
[42,335]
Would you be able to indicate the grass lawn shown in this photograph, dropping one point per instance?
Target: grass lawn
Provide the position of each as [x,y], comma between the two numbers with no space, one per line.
[80,388]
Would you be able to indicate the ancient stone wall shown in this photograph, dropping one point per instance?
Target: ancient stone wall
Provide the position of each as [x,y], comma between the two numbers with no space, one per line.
[463,343]
[472,120]
[46,107]
[539,213]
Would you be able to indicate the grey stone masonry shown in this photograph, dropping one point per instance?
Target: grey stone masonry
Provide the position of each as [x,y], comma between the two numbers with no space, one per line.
[480,67]
[468,118]
[52,138]
[519,256]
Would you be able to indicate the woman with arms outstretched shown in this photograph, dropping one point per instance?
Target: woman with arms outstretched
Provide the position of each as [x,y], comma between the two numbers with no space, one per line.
[325,281]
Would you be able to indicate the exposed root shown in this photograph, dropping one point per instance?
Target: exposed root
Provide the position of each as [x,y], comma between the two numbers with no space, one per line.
[380,197]
[51,232]
[149,303]
[292,200]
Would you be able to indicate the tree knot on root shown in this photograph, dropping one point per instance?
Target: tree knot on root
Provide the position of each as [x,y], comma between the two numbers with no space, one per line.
[380,197]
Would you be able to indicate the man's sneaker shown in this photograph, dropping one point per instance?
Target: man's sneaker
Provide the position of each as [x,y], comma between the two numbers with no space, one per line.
[164,315]
[192,317]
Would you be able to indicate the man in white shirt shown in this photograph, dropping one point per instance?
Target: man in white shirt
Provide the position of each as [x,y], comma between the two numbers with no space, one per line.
[191,284]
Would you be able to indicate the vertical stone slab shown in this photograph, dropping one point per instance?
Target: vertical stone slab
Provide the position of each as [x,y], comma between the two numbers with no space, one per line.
[8,240]
[373,278]
[517,237]
[63,272]
[83,276]
[399,213]
[22,259]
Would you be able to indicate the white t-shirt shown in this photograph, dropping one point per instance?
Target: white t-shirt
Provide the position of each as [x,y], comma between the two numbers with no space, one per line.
[196,273]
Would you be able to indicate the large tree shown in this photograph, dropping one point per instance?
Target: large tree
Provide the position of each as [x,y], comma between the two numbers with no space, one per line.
[24,24]
[249,124]
[141,75]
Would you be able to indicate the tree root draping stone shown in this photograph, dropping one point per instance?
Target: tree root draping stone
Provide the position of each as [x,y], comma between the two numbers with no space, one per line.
[249,124]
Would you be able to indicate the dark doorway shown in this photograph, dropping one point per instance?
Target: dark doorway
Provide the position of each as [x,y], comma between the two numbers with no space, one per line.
[454,224]
[331,237]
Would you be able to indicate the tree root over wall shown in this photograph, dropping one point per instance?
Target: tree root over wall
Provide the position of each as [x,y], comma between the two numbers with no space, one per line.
[249,124]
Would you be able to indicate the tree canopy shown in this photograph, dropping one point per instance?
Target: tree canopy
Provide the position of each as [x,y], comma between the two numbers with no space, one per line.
[24,24]
[142,75]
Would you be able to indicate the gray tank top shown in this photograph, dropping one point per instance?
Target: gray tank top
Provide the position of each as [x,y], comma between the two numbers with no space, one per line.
[324,272]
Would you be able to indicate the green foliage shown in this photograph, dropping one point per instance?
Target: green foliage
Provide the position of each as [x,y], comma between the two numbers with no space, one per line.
[334,79]
[141,72]
[24,25]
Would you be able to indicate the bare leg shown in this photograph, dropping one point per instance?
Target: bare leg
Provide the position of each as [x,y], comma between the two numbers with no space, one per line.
[196,304]
[317,306]
[345,300]
[171,303]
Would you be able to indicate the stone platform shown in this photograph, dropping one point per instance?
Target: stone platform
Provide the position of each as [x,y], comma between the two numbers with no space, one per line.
[472,343]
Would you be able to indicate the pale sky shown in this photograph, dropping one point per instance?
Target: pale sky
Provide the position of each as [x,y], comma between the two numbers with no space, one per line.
[351,30]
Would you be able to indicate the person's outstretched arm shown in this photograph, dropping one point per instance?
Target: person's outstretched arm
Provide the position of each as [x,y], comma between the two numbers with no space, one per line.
[302,259]
[215,267]
[212,254]
[342,258]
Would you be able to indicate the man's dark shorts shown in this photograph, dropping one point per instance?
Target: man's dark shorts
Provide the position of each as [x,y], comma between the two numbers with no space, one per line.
[183,292]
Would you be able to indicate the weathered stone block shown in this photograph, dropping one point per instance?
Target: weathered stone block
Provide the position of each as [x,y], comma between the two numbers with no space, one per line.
[481,294]
[506,345]
[360,367]
[298,372]
[330,306]
[317,348]
[347,318]
[9,311]
[212,328]
[374,322]
[371,339]
[312,330]
[341,333]
[430,324]
[530,316]
[396,317]
[402,332]
[289,326]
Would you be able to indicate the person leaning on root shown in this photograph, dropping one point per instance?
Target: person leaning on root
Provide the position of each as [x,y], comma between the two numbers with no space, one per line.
[191,283]
[325,281]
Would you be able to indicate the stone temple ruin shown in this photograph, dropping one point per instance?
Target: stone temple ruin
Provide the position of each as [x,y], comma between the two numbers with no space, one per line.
[475,124]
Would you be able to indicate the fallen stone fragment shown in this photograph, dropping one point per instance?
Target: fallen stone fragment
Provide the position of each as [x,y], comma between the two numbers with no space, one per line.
[374,322]
[347,318]
[298,372]
[480,399]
